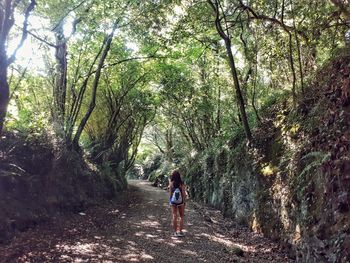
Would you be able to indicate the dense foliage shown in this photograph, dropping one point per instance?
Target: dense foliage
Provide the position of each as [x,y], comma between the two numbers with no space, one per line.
[100,72]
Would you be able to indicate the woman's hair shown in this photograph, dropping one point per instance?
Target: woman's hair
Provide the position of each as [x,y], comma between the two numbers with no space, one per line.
[176,179]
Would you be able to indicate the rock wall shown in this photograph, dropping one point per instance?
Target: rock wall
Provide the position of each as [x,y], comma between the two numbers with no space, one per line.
[281,205]
[293,184]
[36,182]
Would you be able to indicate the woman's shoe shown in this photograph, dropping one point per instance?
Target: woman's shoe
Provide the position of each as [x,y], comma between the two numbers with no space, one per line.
[180,234]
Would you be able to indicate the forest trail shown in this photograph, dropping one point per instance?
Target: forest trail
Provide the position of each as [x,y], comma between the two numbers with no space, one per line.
[137,229]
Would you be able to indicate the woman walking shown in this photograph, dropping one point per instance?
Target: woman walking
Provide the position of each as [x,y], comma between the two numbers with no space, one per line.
[178,194]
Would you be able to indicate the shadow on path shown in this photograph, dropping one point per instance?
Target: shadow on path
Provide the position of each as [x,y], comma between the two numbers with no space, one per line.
[137,229]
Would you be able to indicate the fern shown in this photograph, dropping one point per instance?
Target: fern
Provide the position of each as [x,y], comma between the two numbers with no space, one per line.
[319,158]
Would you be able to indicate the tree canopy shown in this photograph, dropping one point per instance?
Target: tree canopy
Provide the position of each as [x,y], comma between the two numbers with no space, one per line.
[183,74]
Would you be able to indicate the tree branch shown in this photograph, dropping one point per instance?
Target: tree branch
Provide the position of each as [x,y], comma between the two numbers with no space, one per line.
[342,7]
[69,11]
[273,20]
[42,40]
[122,61]
[107,46]
[30,7]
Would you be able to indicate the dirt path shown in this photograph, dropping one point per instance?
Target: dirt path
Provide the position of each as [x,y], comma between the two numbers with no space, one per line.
[137,229]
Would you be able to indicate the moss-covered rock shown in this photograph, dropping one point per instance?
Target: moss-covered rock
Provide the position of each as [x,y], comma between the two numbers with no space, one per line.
[293,184]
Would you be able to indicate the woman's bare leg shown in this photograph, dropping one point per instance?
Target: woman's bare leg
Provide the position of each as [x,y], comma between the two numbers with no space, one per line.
[174,213]
[182,216]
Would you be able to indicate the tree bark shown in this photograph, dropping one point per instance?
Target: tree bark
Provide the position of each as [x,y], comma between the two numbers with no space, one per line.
[291,60]
[254,88]
[77,102]
[300,63]
[5,26]
[298,49]
[231,61]
[7,11]
[92,105]
[60,88]
[4,92]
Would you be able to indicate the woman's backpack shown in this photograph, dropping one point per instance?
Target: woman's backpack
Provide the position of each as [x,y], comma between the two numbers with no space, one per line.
[176,197]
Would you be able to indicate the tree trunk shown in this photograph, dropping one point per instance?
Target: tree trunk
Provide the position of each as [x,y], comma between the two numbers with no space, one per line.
[239,95]
[4,91]
[60,88]
[6,23]
[169,144]
[254,90]
[291,60]
[225,36]
[298,49]
[300,63]
[7,11]
[92,105]
[218,112]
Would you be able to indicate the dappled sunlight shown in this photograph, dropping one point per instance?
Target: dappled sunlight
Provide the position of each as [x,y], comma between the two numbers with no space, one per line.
[132,257]
[150,223]
[114,212]
[256,227]
[297,234]
[248,100]
[79,251]
[228,243]
[106,248]
[268,169]
[143,233]
[80,248]
[175,242]
[139,234]
[159,240]
[140,182]
[146,256]
[189,252]
[150,236]
[281,193]
[135,257]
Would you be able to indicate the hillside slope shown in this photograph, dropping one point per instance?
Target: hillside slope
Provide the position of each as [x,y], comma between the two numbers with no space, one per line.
[39,179]
[293,185]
